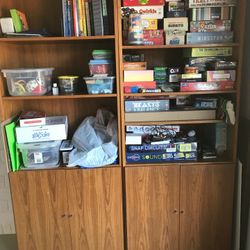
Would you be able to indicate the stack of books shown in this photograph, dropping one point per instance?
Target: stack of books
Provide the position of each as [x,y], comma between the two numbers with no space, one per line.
[87,17]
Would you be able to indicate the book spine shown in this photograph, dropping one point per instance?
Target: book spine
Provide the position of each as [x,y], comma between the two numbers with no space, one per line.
[75,18]
[16,20]
[97,17]
[105,17]
[70,17]
[91,17]
[65,19]
[84,21]
[80,17]
[87,10]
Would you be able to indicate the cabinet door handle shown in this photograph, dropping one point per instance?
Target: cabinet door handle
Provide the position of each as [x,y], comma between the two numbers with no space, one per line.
[175,211]
[70,215]
[182,211]
[63,215]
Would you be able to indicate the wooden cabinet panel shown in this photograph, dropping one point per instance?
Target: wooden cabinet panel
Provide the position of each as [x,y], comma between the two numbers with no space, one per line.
[152,198]
[40,203]
[206,207]
[95,205]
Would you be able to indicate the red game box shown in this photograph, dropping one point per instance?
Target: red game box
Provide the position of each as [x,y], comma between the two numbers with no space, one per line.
[203,86]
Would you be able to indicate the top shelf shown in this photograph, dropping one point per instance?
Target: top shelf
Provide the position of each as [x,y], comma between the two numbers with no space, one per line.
[124,47]
[54,39]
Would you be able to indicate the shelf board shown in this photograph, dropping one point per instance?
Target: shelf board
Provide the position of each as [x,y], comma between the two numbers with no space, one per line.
[180,46]
[62,97]
[199,162]
[55,39]
[172,122]
[175,94]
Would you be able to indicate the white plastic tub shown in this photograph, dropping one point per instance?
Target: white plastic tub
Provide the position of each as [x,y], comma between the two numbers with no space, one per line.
[28,82]
[40,154]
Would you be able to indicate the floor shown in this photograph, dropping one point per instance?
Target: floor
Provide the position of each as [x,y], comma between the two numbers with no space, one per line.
[8,242]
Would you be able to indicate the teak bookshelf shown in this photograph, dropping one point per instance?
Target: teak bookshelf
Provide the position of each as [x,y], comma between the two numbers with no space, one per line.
[170,206]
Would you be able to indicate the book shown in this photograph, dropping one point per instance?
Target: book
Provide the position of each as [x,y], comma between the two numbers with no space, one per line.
[87,13]
[171,116]
[19,20]
[65,19]
[75,18]
[84,21]
[105,17]
[97,17]
[70,17]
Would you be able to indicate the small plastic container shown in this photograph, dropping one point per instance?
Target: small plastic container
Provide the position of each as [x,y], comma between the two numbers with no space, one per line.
[101,67]
[40,154]
[68,84]
[102,54]
[28,82]
[100,85]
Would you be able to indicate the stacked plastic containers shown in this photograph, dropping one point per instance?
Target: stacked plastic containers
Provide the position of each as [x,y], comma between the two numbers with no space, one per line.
[101,69]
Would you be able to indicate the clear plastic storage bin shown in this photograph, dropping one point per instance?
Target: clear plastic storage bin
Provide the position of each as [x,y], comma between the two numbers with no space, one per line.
[101,67]
[28,82]
[100,84]
[40,154]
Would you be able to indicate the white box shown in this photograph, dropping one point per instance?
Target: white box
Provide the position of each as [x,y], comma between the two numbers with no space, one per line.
[56,128]
[176,23]
[7,25]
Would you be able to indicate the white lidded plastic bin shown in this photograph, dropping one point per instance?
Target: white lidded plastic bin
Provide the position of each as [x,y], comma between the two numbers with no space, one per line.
[28,82]
[100,84]
[40,154]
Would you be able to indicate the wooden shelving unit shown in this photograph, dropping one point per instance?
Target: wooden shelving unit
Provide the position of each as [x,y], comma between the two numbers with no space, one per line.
[170,206]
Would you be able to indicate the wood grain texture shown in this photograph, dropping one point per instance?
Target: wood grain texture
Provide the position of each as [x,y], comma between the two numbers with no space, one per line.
[152,197]
[95,203]
[39,202]
[206,206]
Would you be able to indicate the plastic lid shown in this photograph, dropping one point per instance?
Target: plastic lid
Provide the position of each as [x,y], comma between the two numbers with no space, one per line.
[22,70]
[68,77]
[101,61]
[39,145]
[101,52]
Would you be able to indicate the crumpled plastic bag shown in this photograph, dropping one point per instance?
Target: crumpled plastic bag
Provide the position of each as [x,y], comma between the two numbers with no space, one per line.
[95,141]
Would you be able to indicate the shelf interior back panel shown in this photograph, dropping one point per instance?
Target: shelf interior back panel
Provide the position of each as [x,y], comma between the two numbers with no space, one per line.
[40,14]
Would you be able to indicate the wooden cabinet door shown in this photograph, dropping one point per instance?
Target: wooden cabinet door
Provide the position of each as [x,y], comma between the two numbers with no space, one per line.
[206,207]
[40,204]
[95,207]
[152,202]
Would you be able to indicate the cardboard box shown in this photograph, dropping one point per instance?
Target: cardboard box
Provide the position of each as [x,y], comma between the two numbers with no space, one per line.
[171,116]
[150,129]
[174,39]
[134,65]
[146,105]
[155,157]
[221,75]
[211,3]
[170,147]
[142,2]
[176,23]
[210,26]
[138,75]
[56,128]
[147,12]
[210,37]
[150,24]
[208,52]
[203,86]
